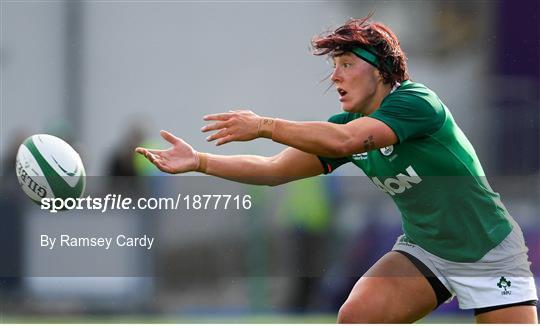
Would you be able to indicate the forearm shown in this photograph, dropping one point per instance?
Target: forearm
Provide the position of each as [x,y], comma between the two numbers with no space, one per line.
[289,165]
[250,169]
[318,138]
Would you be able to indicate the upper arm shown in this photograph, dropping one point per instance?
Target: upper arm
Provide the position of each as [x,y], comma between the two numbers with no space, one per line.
[402,116]
[366,134]
[293,164]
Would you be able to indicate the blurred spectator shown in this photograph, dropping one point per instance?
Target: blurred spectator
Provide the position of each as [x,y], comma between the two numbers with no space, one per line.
[305,211]
[122,163]
[12,203]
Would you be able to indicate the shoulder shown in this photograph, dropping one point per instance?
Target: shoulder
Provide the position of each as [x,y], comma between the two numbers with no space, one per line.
[414,97]
[412,111]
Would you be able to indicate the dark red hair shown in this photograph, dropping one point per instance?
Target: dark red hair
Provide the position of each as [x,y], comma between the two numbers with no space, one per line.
[365,33]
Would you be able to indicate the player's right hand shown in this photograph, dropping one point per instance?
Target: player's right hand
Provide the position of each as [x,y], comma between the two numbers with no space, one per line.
[179,158]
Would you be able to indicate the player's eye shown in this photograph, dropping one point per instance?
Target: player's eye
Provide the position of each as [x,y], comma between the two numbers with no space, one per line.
[347,65]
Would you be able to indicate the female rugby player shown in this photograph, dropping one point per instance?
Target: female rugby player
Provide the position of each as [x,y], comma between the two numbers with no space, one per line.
[459,239]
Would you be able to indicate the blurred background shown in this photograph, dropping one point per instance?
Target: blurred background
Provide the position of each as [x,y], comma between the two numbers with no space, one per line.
[107,76]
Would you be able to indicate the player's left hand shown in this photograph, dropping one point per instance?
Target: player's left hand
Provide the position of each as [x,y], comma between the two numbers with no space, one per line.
[239,125]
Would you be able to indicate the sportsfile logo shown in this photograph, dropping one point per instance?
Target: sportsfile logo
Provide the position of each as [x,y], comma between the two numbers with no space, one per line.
[398,184]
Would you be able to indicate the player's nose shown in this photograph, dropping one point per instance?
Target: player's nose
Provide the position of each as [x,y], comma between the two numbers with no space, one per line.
[336,76]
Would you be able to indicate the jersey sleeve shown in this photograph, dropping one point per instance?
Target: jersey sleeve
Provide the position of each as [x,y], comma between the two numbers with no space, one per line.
[331,163]
[411,115]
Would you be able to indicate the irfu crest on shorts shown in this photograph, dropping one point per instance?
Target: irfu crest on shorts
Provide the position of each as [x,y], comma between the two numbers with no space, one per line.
[504,284]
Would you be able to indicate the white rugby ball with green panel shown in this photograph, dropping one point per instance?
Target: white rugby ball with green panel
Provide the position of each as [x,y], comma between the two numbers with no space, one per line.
[48,167]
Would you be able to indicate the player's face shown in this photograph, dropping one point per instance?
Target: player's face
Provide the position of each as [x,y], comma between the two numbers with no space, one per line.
[355,81]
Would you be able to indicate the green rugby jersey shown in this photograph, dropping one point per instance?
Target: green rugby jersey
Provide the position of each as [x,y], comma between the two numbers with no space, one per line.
[433,175]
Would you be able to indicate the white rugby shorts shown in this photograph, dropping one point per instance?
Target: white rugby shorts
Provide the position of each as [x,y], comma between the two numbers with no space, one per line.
[503,276]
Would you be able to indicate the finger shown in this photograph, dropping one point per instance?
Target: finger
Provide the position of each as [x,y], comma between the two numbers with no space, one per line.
[222,133]
[151,157]
[225,140]
[169,137]
[156,153]
[218,116]
[147,152]
[214,126]
[141,150]
[160,165]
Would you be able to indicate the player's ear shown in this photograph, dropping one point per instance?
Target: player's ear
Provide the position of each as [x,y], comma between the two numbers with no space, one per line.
[379,76]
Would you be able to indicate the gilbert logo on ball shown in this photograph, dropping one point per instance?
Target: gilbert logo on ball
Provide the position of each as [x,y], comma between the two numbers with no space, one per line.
[48,167]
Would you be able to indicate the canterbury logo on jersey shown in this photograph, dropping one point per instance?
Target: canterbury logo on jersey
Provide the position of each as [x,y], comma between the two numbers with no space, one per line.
[398,184]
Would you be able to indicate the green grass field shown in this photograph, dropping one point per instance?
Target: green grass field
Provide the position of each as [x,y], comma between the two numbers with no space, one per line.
[210,319]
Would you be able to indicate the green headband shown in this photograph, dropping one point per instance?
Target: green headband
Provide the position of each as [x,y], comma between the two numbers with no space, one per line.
[369,55]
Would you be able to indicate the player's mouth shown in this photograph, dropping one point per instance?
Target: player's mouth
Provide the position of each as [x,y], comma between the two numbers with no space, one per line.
[341,93]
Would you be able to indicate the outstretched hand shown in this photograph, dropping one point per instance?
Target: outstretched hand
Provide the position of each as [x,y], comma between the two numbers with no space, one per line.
[240,125]
[179,158]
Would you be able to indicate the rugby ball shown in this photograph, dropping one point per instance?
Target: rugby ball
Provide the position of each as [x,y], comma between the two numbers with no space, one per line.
[48,167]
